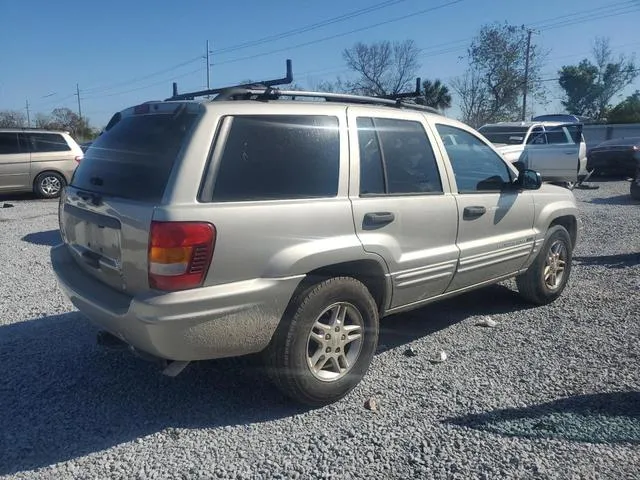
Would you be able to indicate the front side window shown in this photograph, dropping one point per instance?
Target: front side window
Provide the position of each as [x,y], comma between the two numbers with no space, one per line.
[9,143]
[504,134]
[537,137]
[273,157]
[396,158]
[477,168]
[47,142]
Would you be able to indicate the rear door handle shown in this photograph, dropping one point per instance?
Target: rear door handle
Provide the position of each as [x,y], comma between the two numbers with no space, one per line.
[377,219]
[471,213]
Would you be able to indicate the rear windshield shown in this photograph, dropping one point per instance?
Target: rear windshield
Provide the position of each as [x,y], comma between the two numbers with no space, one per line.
[135,157]
[506,135]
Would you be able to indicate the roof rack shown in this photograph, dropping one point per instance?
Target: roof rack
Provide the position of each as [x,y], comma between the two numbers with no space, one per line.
[264,91]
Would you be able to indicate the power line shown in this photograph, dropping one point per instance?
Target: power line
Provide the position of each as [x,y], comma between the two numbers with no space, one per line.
[338,35]
[308,28]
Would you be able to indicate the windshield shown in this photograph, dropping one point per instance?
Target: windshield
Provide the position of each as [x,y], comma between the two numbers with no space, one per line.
[505,135]
[135,157]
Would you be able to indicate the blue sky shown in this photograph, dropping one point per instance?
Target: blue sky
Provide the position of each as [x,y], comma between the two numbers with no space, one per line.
[124,52]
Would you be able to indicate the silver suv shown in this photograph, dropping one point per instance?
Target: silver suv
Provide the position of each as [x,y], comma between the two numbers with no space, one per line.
[254,223]
[41,161]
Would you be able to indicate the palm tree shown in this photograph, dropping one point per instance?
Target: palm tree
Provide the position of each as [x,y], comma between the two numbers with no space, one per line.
[436,95]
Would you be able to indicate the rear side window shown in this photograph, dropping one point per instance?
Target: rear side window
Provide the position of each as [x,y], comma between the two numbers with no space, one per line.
[272,157]
[405,164]
[9,143]
[135,157]
[47,142]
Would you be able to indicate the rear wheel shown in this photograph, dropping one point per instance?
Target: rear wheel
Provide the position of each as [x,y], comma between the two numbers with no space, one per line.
[325,342]
[49,185]
[546,278]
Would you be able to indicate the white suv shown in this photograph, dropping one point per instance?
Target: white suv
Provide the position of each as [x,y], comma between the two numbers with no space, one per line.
[556,150]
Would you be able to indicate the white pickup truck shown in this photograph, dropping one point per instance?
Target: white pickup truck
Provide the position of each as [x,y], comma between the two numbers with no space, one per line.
[556,150]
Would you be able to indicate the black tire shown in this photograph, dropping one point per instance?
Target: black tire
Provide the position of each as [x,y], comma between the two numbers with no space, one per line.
[45,185]
[287,357]
[532,284]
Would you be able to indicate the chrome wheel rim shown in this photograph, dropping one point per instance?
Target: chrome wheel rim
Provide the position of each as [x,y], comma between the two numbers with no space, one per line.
[50,185]
[554,267]
[335,342]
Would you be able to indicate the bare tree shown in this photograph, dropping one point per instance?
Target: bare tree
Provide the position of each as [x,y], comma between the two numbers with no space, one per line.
[383,68]
[614,75]
[474,100]
[12,119]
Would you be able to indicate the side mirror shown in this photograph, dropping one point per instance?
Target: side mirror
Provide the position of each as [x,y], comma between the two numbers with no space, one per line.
[528,180]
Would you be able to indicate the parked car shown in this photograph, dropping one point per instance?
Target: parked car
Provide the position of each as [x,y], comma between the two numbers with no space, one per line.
[555,149]
[251,223]
[41,161]
[618,156]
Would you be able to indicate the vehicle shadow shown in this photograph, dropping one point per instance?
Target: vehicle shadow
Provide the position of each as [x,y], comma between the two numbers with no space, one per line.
[625,199]
[63,397]
[612,417]
[404,328]
[621,260]
[16,197]
[48,238]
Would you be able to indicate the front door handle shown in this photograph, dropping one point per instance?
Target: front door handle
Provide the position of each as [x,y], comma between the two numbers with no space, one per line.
[377,219]
[471,213]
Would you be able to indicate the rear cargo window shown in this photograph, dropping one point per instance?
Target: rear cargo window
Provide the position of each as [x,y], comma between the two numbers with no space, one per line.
[47,142]
[275,157]
[134,158]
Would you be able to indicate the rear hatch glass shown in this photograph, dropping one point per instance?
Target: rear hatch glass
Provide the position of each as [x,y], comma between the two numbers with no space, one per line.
[134,158]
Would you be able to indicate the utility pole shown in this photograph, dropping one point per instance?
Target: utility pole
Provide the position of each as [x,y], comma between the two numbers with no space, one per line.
[207,60]
[79,106]
[28,116]
[526,77]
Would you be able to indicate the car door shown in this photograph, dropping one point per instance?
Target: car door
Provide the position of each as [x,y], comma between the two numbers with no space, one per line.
[556,157]
[495,221]
[402,206]
[14,162]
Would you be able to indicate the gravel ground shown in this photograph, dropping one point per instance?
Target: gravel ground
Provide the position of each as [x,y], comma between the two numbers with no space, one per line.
[550,392]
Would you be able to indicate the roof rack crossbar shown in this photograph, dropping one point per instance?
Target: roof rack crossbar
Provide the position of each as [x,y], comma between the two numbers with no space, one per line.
[287,79]
[241,93]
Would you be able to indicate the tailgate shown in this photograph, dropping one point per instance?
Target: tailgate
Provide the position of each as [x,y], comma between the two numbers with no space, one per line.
[108,238]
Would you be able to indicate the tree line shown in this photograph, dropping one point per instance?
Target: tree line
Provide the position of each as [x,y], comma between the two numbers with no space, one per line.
[490,89]
[59,119]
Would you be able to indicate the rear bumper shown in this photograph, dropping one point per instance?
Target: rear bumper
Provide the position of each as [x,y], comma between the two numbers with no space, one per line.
[210,322]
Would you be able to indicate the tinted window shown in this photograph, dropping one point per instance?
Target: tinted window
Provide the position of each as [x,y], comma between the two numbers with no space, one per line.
[279,157]
[408,157]
[134,158]
[47,142]
[9,143]
[475,165]
[557,135]
[371,169]
[537,137]
[504,134]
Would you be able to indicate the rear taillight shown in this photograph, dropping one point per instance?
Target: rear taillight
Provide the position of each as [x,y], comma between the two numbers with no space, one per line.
[180,254]
[79,158]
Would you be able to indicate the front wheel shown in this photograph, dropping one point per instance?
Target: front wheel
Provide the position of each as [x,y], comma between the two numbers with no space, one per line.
[325,342]
[546,278]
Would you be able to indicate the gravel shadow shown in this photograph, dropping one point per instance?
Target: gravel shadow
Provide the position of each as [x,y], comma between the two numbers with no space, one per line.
[63,397]
[612,417]
[404,328]
[621,260]
[616,200]
[49,238]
